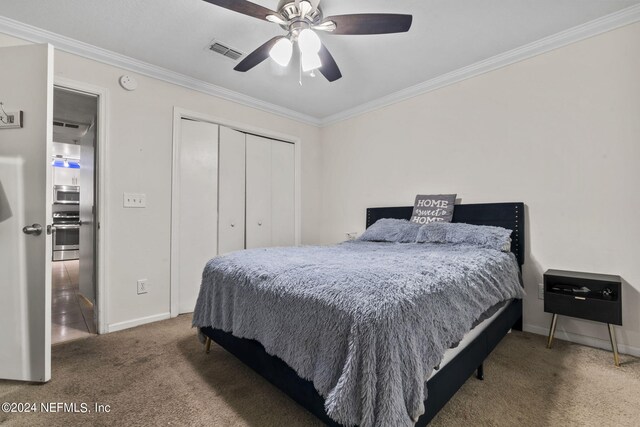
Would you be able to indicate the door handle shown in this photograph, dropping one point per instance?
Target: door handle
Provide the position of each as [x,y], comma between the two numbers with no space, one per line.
[51,229]
[35,229]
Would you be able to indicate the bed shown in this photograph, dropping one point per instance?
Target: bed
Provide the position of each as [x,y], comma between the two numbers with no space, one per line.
[258,349]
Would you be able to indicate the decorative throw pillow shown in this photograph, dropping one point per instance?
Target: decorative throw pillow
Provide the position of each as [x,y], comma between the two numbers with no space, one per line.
[485,236]
[391,230]
[433,208]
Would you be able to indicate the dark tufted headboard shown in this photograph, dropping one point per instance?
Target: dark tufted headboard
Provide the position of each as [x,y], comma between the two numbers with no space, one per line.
[507,215]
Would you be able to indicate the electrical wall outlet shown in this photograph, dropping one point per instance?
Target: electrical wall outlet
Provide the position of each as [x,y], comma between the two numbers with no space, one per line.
[134,200]
[12,120]
[540,291]
[143,286]
[352,235]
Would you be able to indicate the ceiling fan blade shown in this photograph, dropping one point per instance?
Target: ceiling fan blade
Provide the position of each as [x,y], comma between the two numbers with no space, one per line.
[245,7]
[329,68]
[257,56]
[370,23]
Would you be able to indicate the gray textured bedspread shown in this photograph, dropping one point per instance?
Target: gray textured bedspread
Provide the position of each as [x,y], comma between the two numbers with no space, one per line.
[366,322]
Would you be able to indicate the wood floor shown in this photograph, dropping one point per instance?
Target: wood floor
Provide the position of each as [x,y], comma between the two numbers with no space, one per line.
[71,313]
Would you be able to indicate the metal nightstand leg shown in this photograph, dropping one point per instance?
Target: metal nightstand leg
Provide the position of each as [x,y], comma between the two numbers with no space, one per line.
[552,330]
[614,344]
[480,372]
[207,345]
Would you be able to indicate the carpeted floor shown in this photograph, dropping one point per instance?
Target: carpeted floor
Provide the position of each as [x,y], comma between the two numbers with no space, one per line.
[158,374]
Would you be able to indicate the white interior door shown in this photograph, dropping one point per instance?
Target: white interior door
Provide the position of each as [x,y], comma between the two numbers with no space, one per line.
[231,191]
[26,83]
[282,194]
[258,197]
[198,207]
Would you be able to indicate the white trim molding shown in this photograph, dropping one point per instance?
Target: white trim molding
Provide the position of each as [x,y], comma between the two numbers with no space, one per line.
[589,29]
[178,115]
[139,321]
[76,47]
[102,267]
[582,339]
[592,28]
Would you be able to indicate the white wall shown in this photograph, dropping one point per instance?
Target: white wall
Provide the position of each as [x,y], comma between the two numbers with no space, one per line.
[139,160]
[560,132]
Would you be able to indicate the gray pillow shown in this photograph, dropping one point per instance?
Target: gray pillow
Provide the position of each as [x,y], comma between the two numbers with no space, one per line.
[485,236]
[433,208]
[391,230]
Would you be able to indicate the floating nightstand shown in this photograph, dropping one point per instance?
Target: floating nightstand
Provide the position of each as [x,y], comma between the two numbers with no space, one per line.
[589,296]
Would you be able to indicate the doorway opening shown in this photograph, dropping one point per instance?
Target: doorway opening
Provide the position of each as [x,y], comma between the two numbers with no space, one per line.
[74,226]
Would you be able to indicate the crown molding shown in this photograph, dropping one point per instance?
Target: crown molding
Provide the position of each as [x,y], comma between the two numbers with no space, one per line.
[66,44]
[589,29]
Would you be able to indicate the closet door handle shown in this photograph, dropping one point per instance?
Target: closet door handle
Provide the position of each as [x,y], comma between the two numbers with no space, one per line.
[259,222]
[233,224]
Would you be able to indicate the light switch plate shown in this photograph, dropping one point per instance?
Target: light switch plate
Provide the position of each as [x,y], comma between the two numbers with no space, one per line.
[134,200]
[540,291]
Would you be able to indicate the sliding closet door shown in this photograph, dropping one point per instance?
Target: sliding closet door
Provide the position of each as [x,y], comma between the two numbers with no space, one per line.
[258,207]
[231,191]
[198,207]
[282,194]
[270,214]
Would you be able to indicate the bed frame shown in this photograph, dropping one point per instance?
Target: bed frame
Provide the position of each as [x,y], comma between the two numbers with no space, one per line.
[446,382]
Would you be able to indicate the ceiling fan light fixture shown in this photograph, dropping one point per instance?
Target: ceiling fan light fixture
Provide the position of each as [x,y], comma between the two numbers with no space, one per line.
[309,42]
[310,61]
[282,51]
[300,18]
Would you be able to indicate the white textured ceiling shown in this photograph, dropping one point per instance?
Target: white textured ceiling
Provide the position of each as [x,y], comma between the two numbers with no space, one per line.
[446,35]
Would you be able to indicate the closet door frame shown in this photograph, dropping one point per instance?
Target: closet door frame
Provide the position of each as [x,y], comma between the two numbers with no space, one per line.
[178,115]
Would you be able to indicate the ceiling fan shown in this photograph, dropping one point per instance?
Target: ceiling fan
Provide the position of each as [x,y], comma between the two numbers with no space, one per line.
[301,19]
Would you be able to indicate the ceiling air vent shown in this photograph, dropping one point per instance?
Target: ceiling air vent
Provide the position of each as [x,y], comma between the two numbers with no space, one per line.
[225,50]
[69,129]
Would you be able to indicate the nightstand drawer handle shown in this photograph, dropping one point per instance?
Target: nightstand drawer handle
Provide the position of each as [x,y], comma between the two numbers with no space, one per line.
[581,298]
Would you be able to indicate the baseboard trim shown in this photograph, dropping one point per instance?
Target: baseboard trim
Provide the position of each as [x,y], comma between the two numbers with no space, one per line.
[137,322]
[583,339]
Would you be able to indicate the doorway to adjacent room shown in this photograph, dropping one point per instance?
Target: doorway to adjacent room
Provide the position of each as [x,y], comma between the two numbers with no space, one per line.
[74,228]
